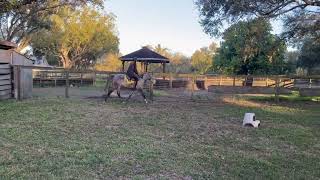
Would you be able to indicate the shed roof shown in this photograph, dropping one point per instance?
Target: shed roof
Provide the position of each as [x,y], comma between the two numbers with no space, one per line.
[145,55]
[7,45]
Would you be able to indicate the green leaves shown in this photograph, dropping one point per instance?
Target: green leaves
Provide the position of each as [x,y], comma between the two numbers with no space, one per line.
[202,59]
[78,37]
[250,48]
[309,57]
[301,18]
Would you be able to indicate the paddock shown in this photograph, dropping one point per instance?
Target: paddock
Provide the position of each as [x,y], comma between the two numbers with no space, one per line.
[172,138]
[186,132]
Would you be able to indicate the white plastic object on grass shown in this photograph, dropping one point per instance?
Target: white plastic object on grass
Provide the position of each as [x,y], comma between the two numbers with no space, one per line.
[250,120]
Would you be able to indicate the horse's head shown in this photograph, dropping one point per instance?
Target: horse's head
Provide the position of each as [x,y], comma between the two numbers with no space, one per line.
[148,77]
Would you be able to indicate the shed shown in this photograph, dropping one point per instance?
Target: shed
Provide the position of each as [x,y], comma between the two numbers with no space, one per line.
[10,83]
[145,56]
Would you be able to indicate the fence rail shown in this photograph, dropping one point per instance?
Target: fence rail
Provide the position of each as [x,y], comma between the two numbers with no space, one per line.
[56,77]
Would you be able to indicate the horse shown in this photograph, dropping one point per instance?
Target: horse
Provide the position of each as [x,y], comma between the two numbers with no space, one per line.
[120,80]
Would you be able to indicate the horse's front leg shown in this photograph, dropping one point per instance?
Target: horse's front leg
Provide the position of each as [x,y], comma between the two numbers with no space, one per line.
[143,95]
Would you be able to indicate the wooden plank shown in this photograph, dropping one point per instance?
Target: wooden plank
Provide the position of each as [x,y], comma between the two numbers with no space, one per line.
[5,92]
[5,77]
[5,55]
[5,71]
[4,66]
[5,87]
[5,97]
[5,82]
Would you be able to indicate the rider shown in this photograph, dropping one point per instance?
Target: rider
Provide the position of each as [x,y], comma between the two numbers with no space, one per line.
[132,73]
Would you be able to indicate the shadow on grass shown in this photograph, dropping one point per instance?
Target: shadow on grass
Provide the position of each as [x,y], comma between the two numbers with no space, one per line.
[294,97]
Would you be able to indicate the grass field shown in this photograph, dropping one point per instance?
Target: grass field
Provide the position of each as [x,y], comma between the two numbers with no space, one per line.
[88,139]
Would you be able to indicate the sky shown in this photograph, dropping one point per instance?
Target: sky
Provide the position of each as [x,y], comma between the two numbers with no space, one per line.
[172,23]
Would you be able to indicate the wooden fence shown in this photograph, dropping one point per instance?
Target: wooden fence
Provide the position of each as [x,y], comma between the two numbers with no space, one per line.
[204,81]
[5,81]
[62,77]
[57,78]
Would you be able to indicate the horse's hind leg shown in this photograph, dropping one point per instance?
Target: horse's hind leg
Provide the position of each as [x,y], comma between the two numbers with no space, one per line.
[118,92]
[130,95]
[108,95]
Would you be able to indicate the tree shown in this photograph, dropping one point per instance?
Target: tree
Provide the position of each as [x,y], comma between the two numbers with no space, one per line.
[250,48]
[179,63]
[302,17]
[78,37]
[20,19]
[11,5]
[291,58]
[109,62]
[309,55]
[202,59]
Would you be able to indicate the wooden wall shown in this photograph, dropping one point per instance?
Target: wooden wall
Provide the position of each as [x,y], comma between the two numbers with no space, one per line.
[5,81]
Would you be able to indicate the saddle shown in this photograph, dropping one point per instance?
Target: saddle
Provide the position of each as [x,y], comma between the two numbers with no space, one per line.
[129,78]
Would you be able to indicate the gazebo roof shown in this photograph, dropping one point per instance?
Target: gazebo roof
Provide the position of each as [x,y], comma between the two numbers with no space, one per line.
[145,55]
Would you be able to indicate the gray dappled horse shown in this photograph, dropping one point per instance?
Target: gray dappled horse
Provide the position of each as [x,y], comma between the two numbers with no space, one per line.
[119,80]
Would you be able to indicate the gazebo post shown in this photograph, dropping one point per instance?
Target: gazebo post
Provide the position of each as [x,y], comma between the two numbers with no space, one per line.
[142,65]
[164,67]
[164,70]
[146,68]
[122,66]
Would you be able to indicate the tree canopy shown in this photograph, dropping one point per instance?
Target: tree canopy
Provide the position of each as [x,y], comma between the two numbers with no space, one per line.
[202,59]
[78,37]
[309,55]
[301,17]
[109,62]
[250,48]
[19,19]
[179,63]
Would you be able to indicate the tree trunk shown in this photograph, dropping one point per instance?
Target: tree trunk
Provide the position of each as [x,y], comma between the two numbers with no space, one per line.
[23,44]
[66,61]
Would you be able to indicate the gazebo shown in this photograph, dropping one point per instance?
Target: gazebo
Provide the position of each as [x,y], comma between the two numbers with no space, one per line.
[145,56]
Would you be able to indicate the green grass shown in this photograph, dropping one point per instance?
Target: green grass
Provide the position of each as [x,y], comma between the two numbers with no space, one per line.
[77,139]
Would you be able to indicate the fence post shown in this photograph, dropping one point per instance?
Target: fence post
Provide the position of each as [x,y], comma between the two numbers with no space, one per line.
[277,89]
[170,81]
[17,82]
[151,91]
[94,78]
[81,81]
[310,83]
[267,83]
[55,79]
[67,84]
[40,80]
[220,81]
[206,82]
[193,85]
[234,81]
